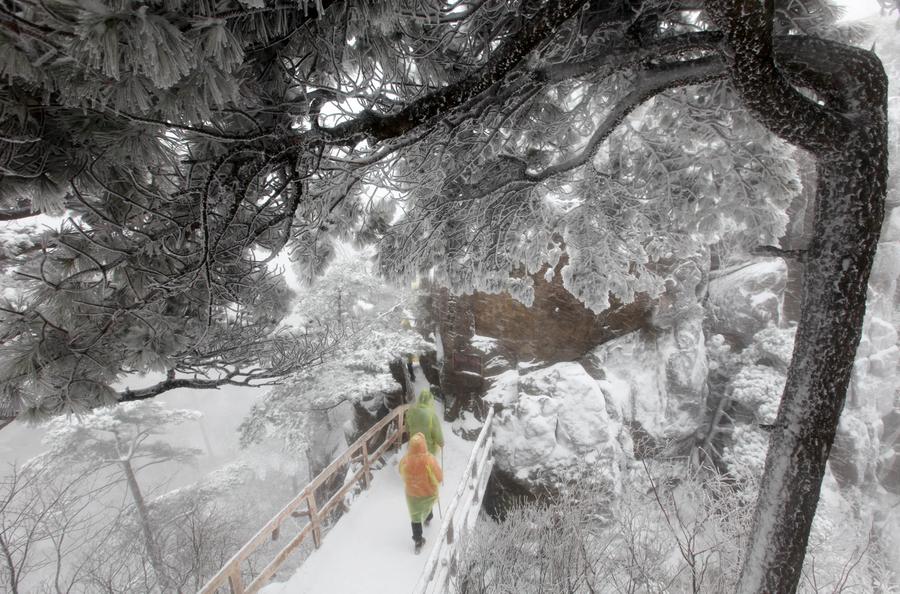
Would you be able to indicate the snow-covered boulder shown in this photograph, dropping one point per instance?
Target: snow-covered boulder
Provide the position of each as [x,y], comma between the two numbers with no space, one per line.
[875,382]
[686,364]
[686,282]
[853,454]
[745,300]
[887,467]
[495,357]
[504,388]
[657,380]
[554,423]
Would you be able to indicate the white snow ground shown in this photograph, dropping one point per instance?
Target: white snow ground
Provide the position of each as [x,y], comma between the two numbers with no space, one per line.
[370,549]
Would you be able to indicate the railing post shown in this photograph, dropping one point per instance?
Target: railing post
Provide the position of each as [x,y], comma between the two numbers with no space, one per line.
[314,518]
[365,455]
[400,430]
[454,564]
[235,581]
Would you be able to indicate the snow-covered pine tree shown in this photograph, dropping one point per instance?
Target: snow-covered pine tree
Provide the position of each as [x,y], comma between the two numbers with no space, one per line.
[189,142]
[121,441]
[353,302]
[110,111]
[198,527]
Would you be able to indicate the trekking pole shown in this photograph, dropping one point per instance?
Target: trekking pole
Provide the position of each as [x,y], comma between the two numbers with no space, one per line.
[439,489]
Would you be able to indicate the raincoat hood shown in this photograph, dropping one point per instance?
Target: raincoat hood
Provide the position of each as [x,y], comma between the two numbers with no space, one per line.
[417,444]
[425,398]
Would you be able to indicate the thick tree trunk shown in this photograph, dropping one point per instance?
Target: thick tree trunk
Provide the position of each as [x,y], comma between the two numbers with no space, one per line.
[144,516]
[847,135]
[849,213]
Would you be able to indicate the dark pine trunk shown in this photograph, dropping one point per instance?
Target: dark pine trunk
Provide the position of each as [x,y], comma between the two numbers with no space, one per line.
[850,207]
[150,543]
[847,135]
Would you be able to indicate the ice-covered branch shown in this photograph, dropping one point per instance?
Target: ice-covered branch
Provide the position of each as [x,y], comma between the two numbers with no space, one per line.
[422,111]
[649,83]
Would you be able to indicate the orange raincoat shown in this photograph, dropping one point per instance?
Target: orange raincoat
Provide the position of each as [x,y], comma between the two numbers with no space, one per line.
[422,475]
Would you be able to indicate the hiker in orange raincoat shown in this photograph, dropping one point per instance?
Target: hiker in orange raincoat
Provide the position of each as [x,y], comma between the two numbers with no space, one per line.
[422,475]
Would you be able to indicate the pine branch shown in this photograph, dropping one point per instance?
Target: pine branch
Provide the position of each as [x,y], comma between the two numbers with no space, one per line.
[173,384]
[616,59]
[650,82]
[204,132]
[17,214]
[772,251]
[505,58]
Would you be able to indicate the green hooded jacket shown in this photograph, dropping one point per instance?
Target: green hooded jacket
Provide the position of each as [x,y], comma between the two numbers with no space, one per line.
[421,418]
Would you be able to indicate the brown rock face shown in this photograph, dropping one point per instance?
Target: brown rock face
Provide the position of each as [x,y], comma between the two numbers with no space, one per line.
[556,328]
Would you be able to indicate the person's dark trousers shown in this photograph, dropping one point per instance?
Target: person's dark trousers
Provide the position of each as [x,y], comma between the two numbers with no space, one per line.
[412,375]
[417,527]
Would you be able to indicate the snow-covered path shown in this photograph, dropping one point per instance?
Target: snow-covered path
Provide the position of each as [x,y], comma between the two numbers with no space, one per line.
[370,549]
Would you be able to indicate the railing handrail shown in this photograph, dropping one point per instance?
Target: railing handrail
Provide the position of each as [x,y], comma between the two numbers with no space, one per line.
[231,572]
[479,461]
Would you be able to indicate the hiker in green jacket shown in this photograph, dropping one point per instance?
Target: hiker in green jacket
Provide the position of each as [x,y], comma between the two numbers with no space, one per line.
[421,418]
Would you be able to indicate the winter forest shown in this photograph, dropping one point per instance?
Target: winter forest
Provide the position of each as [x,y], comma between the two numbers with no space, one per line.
[618,277]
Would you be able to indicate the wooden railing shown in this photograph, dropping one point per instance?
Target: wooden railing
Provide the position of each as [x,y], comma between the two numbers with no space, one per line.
[230,574]
[460,516]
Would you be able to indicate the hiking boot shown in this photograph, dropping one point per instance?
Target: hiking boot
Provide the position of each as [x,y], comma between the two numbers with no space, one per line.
[419,544]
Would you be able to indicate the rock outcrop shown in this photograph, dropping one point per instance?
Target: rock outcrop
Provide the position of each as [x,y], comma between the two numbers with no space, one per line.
[744,300]
[555,420]
[655,380]
[556,328]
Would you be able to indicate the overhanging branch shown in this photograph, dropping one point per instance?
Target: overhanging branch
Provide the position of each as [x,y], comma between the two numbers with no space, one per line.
[172,384]
[17,214]
[764,90]
[650,82]
[422,111]
[667,47]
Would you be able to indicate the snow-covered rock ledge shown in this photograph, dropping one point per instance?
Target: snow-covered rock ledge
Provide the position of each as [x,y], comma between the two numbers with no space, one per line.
[555,420]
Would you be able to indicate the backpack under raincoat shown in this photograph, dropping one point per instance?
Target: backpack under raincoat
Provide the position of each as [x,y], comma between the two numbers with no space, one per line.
[422,476]
[421,418]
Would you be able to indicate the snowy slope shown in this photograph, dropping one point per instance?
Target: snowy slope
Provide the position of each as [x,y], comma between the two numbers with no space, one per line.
[370,549]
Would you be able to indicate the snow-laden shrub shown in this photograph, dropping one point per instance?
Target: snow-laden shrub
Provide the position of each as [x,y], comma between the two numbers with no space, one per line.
[773,346]
[665,533]
[746,456]
[670,530]
[751,382]
[759,388]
